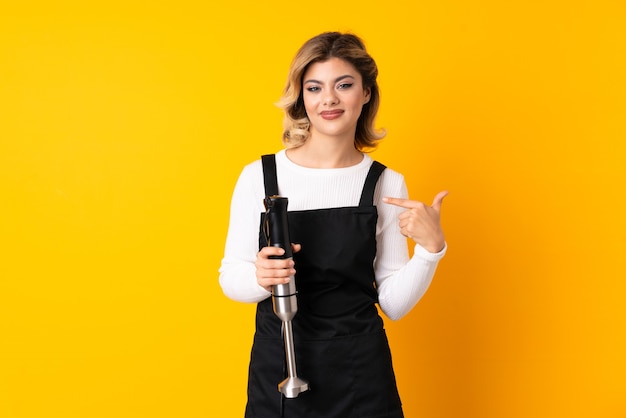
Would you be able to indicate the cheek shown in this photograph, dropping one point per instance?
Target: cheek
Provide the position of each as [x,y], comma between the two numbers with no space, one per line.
[309,104]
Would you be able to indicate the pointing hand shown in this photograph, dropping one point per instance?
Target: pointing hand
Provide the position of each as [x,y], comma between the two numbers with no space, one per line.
[421,222]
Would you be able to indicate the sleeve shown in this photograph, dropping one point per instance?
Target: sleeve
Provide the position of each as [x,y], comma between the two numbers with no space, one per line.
[237,271]
[401,282]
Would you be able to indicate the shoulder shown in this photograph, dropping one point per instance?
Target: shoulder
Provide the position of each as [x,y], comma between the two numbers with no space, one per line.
[392,174]
[254,169]
[391,180]
[250,181]
[251,173]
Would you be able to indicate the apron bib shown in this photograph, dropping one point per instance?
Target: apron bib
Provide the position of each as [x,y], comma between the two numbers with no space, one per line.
[340,343]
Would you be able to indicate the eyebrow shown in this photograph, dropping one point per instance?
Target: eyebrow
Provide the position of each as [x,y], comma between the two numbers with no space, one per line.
[338,79]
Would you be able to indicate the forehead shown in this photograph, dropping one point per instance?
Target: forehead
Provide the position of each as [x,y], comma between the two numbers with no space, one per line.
[330,69]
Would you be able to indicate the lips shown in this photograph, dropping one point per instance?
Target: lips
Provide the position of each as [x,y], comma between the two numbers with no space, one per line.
[331,114]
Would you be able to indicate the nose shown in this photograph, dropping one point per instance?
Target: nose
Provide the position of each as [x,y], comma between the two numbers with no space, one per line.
[330,98]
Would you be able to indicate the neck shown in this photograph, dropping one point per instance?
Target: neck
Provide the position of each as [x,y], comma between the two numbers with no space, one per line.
[323,152]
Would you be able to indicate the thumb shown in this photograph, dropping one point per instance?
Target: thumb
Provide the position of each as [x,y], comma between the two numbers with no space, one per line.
[438,200]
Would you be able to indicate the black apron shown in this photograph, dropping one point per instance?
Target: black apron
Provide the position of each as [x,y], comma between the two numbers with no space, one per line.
[340,343]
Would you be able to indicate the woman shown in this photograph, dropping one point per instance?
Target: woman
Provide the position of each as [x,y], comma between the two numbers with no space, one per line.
[348,219]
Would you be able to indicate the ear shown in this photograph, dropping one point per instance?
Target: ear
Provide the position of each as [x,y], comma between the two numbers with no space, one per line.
[367,94]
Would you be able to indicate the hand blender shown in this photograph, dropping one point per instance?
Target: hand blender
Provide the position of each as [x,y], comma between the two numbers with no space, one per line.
[284,295]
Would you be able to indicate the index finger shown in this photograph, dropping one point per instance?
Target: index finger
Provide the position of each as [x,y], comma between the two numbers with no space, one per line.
[271,251]
[403,203]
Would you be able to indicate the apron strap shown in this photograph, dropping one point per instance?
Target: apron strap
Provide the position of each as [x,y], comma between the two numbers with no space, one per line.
[269,174]
[367,196]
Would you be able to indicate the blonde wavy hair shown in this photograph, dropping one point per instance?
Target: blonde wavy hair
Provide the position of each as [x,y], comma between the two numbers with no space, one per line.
[321,48]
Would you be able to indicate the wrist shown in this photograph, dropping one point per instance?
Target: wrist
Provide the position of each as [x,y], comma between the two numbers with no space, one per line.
[435,246]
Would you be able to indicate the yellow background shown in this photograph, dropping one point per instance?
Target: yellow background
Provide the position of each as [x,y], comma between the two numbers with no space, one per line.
[123,128]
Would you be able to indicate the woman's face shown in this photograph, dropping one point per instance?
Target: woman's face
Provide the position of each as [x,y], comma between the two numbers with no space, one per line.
[333,96]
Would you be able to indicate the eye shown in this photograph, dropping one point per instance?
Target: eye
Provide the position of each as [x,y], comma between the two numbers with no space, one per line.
[313,89]
[344,86]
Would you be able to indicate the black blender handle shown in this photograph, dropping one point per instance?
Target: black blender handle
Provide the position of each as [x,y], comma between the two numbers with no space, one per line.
[277,225]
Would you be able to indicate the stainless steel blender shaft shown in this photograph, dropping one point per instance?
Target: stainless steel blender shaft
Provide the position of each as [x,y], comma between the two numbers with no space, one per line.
[285,307]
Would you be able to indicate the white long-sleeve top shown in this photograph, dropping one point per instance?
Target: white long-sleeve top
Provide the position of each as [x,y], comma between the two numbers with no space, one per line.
[400,281]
